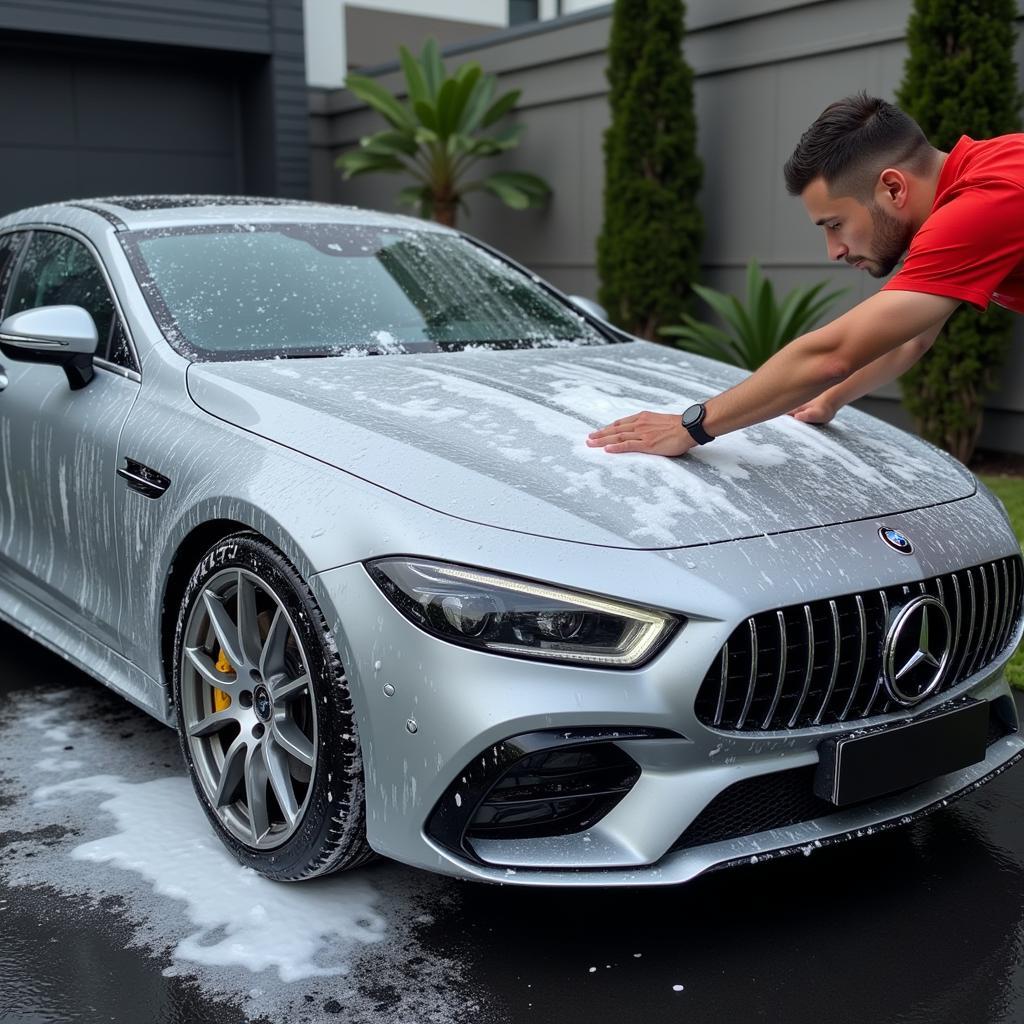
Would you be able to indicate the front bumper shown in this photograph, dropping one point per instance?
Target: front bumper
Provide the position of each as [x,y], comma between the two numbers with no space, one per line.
[427,709]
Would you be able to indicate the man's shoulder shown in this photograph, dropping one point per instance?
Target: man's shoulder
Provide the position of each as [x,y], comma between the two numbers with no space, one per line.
[999,159]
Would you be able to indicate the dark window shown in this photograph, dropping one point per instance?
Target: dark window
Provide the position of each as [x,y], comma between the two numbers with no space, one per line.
[521,11]
[10,246]
[58,270]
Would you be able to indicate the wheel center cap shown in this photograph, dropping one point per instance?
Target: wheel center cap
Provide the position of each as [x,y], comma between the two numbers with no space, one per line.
[262,704]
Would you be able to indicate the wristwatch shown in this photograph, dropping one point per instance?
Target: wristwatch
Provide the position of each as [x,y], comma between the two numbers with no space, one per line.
[693,421]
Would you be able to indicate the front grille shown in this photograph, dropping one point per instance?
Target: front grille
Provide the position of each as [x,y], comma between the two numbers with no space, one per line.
[781,799]
[821,663]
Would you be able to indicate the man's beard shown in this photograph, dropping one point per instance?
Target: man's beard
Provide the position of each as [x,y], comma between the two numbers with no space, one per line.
[890,241]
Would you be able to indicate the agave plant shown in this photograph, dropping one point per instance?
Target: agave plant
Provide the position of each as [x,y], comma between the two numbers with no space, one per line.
[437,135]
[755,331]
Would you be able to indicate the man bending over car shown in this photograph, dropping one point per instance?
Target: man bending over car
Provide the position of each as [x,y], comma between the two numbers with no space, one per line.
[869,178]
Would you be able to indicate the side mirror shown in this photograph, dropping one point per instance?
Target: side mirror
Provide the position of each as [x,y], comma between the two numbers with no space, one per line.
[62,336]
[589,306]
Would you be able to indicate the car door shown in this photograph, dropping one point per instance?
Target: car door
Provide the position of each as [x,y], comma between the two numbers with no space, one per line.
[59,447]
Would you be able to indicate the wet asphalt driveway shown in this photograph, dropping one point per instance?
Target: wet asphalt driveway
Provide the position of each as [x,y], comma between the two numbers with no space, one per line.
[117,905]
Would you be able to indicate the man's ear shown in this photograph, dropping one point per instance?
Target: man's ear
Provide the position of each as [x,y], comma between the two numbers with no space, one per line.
[892,190]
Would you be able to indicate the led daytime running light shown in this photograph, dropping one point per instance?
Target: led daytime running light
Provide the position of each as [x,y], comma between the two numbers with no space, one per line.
[651,623]
[640,630]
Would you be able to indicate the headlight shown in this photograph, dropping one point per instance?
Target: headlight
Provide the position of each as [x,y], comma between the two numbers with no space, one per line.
[520,618]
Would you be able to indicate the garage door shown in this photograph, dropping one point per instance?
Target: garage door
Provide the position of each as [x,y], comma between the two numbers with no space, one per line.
[75,123]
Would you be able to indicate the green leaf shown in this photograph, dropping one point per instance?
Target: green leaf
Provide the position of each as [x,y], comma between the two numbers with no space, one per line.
[447,108]
[374,94]
[459,143]
[426,136]
[427,113]
[469,69]
[756,330]
[509,195]
[500,108]
[390,143]
[466,81]
[536,188]
[433,67]
[358,161]
[508,139]
[413,76]
[479,100]
[705,340]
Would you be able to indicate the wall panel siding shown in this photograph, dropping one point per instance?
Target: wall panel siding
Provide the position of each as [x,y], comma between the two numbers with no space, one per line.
[220,24]
[764,70]
[217,86]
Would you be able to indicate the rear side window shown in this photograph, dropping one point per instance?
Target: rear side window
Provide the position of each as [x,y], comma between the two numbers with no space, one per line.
[58,270]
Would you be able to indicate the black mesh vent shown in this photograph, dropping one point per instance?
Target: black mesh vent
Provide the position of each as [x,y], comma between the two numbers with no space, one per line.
[556,792]
[821,663]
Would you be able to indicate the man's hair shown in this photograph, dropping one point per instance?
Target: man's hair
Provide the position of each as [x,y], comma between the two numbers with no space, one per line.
[852,141]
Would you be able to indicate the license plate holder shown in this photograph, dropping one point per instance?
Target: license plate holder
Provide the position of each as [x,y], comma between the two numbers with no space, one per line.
[859,767]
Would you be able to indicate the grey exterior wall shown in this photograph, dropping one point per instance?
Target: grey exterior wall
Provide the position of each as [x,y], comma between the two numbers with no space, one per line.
[373,37]
[764,70]
[147,95]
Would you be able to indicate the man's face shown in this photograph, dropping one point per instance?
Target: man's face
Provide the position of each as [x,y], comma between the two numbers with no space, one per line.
[865,236]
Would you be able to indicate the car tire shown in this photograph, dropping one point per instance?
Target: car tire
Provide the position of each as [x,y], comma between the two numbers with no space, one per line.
[265,717]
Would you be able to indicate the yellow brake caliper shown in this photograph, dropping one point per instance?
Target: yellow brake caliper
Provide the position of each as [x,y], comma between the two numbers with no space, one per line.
[221,701]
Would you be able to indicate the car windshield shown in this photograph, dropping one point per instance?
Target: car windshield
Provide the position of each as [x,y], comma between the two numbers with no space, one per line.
[256,291]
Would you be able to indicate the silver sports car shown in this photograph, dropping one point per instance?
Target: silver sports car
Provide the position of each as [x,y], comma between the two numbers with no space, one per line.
[311,485]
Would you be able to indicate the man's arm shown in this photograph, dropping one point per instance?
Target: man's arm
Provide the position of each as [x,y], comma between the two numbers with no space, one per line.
[797,373]
[883,370]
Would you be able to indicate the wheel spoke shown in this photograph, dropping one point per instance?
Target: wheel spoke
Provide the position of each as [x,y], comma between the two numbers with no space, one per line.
[214,723]
[293,740]
[276,763]
[287,689]
[256,794]
[231,774]
[249,642]
[203,664]
[226,630]
[271,659]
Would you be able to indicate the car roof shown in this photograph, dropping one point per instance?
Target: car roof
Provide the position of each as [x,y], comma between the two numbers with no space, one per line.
[141,212]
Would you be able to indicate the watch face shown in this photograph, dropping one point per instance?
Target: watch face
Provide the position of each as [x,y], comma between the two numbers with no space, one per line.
[693,415]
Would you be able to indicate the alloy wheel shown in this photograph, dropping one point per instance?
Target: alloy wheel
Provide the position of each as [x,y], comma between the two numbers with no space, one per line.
[248,708]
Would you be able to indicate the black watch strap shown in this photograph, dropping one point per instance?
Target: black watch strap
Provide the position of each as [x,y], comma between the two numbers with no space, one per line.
[693,420]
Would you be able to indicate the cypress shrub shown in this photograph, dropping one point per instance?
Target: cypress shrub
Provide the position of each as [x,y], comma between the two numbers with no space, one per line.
[960,78]
[648,250]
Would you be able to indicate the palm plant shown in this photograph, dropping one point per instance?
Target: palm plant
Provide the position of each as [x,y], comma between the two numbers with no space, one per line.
[436,135]
[757,330]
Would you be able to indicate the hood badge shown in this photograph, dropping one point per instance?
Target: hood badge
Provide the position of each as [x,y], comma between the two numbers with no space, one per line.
[917,649]
[896,540]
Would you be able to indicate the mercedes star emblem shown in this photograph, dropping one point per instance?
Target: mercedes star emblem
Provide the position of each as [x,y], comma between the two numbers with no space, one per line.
[917,649]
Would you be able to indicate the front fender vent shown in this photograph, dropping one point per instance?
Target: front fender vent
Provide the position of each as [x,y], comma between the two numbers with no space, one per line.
[143,479]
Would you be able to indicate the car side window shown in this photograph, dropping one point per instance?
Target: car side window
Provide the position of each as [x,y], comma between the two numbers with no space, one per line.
[58,270]
[11,245]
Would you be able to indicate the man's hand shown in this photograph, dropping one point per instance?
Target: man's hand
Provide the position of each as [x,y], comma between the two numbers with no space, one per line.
[655,433]
[818,410]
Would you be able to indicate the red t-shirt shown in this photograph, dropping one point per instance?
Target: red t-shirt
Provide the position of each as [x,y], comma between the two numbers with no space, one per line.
[971,247]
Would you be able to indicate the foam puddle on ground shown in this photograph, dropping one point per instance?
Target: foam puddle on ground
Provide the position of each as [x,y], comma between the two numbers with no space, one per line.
[242,919]
[274,949]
